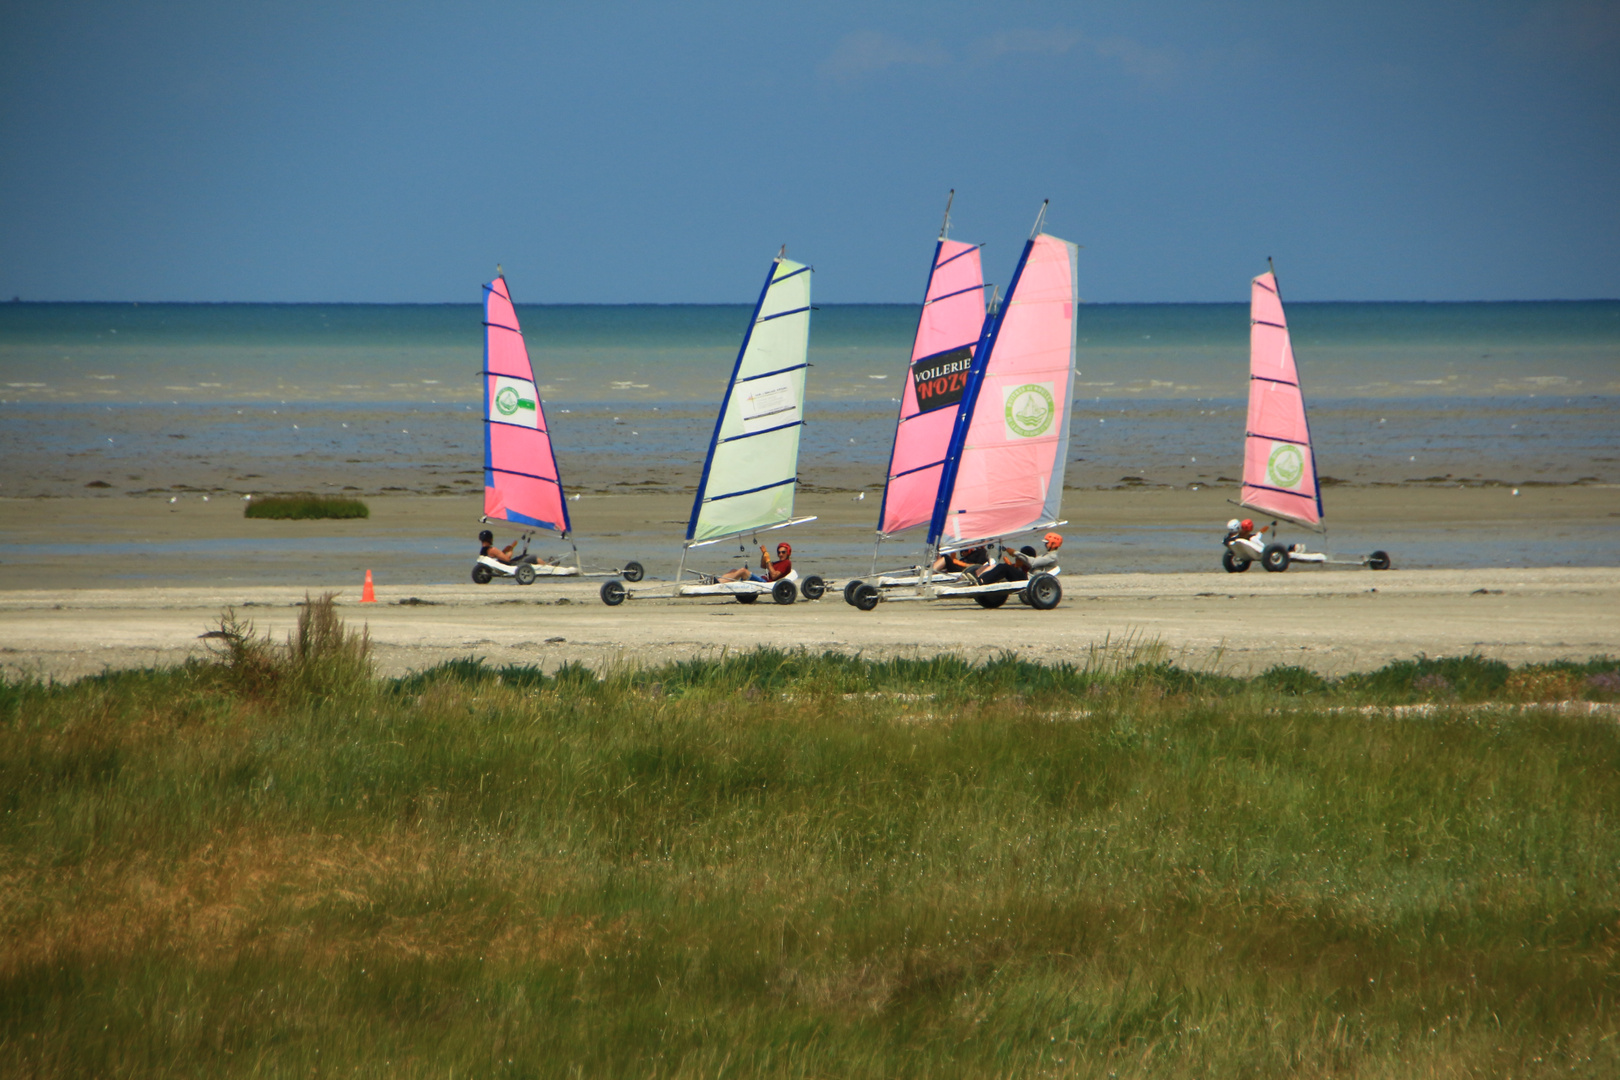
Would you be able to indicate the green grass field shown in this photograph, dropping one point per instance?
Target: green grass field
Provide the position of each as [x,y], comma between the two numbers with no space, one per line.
[306,507]
[810,866]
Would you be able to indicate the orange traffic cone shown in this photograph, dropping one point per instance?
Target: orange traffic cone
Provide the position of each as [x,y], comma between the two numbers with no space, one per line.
[368,595]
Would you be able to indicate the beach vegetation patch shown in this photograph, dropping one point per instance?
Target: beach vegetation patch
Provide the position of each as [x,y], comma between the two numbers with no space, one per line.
[306,507]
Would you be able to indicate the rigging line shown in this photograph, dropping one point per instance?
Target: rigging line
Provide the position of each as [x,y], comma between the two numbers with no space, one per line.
[499,326]
[958,255]
[1279,491]
[782,314]
[750,491]
[778,371]
[531,476]
[958,292]
[1266,287]
[1273,325]
[919,468]
[504,375]
[521,427]
[762,431]
[1269,379]
[1276,438]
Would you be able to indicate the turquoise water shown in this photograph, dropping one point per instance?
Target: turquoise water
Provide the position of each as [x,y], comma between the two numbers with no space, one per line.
[195,353]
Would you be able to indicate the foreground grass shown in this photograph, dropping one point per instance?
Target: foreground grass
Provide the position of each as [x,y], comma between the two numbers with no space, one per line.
[805,866]
[306,507]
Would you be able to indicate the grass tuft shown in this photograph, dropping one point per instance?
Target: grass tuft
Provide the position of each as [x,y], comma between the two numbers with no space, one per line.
[306,507]
[787,863]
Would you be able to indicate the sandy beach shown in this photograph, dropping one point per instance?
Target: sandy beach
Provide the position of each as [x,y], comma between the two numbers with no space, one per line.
[63,617]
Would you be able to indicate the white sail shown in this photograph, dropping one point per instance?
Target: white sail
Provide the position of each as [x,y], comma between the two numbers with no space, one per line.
[751,473]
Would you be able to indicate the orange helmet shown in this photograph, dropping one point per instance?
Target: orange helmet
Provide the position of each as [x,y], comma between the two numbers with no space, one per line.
[1248,525]
[1053,541]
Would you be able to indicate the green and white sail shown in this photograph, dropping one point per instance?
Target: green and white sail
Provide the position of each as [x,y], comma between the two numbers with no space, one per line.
[752,471]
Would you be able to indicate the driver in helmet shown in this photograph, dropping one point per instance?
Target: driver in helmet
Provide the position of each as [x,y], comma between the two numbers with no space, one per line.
[488,550]
[771,571]
[1243,530]
[1019,565]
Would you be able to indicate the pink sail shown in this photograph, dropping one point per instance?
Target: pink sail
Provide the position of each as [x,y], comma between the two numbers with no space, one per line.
[1279,470]
[941,355]
[520,468]
[1009,460]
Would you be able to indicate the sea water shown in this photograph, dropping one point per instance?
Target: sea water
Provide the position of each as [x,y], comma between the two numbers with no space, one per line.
[148,399]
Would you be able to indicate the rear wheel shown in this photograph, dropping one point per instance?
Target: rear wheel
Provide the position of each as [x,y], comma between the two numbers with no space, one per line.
[849,590]
[784,592]
[482,574]
[1233,564]
[990,599]
[613,593]
[1378,560]
[1044,592]
[633,571]
[866,597]
[1274,558]
[524,574]
[813,588]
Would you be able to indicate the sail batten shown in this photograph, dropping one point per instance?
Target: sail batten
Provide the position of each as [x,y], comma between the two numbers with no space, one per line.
[1003,470]
[750,476]
[1279,466]
[521,482]
[948,330]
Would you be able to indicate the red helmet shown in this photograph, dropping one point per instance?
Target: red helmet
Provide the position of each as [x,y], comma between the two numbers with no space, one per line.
[1247,525]
[785,546]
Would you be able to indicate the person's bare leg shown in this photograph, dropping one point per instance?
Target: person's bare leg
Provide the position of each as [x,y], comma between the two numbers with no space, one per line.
[739,574]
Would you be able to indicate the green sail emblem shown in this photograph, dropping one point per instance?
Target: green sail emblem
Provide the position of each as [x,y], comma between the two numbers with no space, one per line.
[1030,411]
[1286,466]
[509,401]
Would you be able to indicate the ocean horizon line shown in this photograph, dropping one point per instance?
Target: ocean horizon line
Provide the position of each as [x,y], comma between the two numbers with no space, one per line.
[1240,302]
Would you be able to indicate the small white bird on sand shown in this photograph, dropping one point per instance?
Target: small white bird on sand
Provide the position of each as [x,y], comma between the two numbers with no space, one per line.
[173,499]
[205,498]
[861,497]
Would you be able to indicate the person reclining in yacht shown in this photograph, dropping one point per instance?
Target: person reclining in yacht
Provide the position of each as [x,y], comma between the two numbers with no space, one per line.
[1019,565]
[772,571]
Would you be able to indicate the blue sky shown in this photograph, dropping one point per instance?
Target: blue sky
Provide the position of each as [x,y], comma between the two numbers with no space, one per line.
[660,153]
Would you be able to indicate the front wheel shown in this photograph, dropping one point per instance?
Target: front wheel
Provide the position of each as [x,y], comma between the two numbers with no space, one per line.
[1274,558]
[524,574]
[1378,560]
[633,571]
[1044,592]
[991,599]
[784,592]
[866,597]
[813,588]
[613,593]
[850,588]
[482,574]
[1233,564]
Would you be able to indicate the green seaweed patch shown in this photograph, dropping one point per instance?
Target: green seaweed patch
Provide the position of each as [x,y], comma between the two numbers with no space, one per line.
[306,507]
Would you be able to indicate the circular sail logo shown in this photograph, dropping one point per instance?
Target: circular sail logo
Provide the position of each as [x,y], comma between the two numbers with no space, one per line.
[1030,411]
[506,402]
[1286,466]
